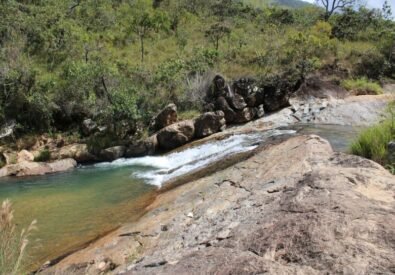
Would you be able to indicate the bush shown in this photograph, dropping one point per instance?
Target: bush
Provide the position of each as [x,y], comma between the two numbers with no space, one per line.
[372,143]
[12,243]
[43,156]
[362,86]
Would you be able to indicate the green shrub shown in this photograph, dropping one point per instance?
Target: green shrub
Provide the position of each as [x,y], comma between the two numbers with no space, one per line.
[372,143]
[43,156]
[362,86]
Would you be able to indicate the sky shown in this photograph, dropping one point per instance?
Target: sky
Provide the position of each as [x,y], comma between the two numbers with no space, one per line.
[371,3]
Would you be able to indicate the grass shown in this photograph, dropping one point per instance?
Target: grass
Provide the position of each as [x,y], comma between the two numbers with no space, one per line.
[362,86]
[13,244]
[44,155]
[190,114]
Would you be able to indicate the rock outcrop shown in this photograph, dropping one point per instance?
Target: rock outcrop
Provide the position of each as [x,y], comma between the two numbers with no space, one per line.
[141,148]
[296,207]
[209,123]
[166,117]
[113,153]
[176,135]
[79,152]
[28,168]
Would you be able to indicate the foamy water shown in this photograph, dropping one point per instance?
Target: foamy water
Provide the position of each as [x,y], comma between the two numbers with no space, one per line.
[160,169]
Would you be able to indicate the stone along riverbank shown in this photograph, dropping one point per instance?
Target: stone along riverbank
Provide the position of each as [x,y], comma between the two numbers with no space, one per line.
[295,207]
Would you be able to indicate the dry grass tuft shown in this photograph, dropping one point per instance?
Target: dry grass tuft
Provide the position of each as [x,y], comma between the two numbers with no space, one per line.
[12,243]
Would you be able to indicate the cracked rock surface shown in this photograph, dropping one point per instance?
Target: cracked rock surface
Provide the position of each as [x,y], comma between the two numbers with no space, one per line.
[295,207]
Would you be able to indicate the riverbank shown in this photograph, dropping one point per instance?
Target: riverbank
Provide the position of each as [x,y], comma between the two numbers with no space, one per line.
[295,206]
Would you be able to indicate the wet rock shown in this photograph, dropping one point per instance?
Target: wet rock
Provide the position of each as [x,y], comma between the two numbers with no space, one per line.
[142,147]
[222,104]
[246,115]
[176,135]
[113,153]
[165,118]
[79,152]
[25,155]
[209,123]
[89,127]
[391,152]
[236,102]
[275,99]
[27,168]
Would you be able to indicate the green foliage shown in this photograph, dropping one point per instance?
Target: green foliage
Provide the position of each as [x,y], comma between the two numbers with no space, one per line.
[362,86]
[118,62]
[372,143]
[43,156]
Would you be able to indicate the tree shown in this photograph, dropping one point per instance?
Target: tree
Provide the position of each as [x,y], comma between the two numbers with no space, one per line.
[145,22]
[387,11]
[216,32]
[333,5]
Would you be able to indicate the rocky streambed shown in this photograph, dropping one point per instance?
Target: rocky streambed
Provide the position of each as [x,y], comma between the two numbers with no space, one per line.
[294,207]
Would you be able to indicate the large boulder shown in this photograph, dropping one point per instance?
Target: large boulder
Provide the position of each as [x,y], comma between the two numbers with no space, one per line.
[25,155]
[28,168]
[218,88]
[236,101]
[113,153]
[176,135]
[244,87]
[246,115]
[222,104]
[165,118]
[209,123]
[275,99]
[79,152]
[141,148]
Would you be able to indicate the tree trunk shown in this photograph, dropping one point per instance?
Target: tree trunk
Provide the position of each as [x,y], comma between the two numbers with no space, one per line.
[142,49]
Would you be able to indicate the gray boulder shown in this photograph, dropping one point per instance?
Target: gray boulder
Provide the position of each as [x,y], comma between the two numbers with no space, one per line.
[209,123]
[142,147]
[176,135]
[222,104]
[246,115]
[113,153]
[165,118]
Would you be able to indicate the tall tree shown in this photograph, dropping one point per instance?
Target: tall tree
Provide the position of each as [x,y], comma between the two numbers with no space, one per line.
[333,5]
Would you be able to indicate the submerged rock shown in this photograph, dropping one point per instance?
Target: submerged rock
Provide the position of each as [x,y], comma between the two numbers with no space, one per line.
[176,135]
[209,123]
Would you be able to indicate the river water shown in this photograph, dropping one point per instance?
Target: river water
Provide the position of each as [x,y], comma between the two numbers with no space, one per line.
[75,207]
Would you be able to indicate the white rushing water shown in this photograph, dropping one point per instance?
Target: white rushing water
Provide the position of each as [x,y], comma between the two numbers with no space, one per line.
[160,169]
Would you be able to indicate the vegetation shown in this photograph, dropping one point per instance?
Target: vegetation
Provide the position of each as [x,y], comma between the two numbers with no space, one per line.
[119,62]
[372,143]
[362,86]
[12,242]
[43,156]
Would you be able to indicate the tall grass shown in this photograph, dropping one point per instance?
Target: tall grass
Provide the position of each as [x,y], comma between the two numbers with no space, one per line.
[13,244]
[372,143]
[362,86]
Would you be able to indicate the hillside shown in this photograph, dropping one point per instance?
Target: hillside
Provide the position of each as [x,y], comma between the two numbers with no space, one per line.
[282,3]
